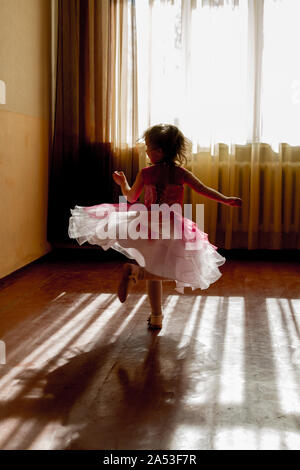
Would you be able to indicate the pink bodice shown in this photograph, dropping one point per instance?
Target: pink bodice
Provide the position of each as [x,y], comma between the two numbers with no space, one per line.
[163,184]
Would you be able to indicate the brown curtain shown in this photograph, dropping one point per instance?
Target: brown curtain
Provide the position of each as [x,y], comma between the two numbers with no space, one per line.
[95,125]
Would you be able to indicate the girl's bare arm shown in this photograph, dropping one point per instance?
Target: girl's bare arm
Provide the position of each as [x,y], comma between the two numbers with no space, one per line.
[193,182]
[131,193]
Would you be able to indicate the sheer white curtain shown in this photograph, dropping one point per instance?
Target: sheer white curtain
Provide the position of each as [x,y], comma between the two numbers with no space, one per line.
[281,73]
[193,68]
[227,72]
[223,70]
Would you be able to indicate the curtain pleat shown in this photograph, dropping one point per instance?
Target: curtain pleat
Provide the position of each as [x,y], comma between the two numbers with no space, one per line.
[268,183]
[95,125]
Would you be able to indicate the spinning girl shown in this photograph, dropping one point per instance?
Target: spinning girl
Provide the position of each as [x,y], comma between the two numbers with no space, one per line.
[190,260]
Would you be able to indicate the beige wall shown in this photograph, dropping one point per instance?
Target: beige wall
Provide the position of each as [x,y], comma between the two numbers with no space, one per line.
[25,54]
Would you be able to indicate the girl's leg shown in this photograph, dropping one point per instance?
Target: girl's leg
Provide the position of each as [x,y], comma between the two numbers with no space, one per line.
[131,275]
[153,277]
[154,289]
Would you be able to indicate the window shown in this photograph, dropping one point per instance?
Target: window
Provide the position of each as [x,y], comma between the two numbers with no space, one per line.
[281,72]
[226,74]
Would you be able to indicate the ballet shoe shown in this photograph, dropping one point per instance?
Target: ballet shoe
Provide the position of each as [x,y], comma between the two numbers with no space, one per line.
[130,276]
[155,322]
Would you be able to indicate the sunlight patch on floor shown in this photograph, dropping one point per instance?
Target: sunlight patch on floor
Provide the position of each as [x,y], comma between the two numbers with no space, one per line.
[169,307]
[64,337]
[7,428]
[255,438]
[296,305]
[188,437]
[207,325]
[191,323]
[58,297]
[286,380]
[290,440]
[72,328]
[235,438]
[22,333]
[232,370]
[292,321]
[124,323]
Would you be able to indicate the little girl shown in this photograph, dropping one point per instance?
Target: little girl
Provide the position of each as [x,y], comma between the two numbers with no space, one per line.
[190,260]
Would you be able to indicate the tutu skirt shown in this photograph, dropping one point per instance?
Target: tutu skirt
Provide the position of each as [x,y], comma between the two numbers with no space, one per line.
[172,247]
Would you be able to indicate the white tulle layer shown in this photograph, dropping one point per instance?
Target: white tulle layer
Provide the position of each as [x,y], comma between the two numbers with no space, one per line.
[190,264]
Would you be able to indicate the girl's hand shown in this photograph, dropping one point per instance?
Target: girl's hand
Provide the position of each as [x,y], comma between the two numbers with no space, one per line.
[233,201]
[119,177]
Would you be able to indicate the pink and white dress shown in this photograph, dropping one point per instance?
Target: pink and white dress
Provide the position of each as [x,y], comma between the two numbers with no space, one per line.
[164,242]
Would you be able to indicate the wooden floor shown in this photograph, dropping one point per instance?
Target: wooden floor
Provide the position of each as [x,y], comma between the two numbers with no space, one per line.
[83,371]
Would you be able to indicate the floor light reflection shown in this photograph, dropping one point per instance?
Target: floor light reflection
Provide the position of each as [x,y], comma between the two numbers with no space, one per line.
[232,371]
[124,323]
[287,383]
[60,340]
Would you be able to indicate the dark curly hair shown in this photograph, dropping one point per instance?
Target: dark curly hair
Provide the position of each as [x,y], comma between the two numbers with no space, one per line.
[170,140]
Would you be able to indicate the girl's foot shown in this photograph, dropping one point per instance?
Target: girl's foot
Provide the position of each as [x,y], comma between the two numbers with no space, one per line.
[155,321]
[131,274]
